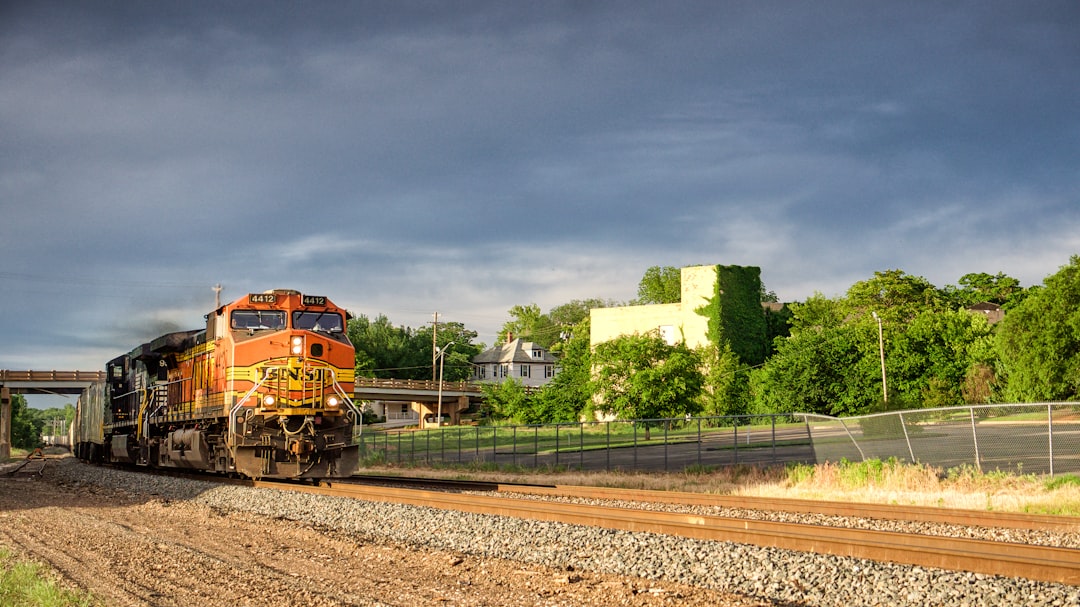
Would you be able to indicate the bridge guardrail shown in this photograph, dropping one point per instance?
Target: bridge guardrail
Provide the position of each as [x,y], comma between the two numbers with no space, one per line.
[63,376]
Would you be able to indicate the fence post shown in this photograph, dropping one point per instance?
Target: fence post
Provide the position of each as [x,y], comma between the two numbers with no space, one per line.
[699,442]
[975,439]
[735,429]
[633,424]
[853,441]
[608,424]
[536,446]
[1050,434]
[581,446]
[667,424]
[773,419]
[556,445]
[903,426]
[513,447]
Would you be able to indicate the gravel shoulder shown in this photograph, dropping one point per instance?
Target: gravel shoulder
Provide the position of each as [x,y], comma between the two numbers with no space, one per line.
[144,546]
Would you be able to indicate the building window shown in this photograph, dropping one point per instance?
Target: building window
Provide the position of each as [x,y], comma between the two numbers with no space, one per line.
[667,333]
[502,370]
[537,353]
[549,371]
[525,370]
[480,371]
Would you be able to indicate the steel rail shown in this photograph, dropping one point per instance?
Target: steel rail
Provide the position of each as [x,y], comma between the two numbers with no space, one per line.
[926,514]
[977,556]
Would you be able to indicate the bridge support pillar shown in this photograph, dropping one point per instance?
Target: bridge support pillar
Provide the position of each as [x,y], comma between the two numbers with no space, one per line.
[5,423]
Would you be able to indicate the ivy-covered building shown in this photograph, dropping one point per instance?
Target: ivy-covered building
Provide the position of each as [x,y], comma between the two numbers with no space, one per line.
[717,302]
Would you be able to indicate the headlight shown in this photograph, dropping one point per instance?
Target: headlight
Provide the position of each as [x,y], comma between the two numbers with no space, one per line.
[268,400]
[333,402]
[298,345]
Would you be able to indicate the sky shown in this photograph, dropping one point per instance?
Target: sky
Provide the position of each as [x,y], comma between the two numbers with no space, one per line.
[405,158]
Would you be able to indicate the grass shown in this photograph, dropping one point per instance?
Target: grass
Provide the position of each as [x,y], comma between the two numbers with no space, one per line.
[26,584]
[874,481]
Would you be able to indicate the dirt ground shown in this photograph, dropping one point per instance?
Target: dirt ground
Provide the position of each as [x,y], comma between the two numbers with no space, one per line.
[129,551]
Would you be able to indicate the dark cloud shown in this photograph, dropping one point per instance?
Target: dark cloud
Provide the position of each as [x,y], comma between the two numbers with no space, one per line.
[409,157]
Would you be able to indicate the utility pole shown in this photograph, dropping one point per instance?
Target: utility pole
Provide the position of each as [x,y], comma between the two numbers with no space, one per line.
[434,345]
[881,349]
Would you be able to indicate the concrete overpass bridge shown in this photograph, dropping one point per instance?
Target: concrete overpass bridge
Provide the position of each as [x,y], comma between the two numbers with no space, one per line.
[37,382]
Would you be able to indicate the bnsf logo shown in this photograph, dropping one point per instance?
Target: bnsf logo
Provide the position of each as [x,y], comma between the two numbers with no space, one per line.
[311,375]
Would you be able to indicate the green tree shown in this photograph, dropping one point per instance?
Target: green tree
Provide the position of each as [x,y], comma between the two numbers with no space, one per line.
[978,287]
[399,352]
[726,388]
[1038,341]
[931,358]
[660,285]
[25,427]
[509,400]
[894,295]
[530,324]
[642,377]
[568,394]
[827,370]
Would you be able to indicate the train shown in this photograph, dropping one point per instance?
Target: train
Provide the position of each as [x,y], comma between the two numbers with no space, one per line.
[263,391]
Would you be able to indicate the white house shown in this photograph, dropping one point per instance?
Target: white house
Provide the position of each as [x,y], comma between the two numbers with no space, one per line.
[529,363]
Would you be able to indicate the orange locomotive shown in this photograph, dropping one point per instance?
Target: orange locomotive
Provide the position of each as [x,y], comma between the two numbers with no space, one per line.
[264,391]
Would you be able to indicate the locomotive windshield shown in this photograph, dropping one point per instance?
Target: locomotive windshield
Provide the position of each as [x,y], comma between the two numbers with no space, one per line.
[327,322]
[255,320]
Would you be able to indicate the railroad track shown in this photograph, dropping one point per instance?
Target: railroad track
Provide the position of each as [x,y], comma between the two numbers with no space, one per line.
[978,556]
[28,469]
[970,518]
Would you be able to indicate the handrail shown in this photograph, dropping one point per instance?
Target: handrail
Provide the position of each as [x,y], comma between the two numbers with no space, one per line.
[414,384]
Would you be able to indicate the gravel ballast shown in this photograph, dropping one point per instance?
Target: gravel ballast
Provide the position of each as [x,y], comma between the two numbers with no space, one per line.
[780,576]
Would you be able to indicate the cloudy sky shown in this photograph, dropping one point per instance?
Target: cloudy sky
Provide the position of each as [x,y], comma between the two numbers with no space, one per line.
[404,158]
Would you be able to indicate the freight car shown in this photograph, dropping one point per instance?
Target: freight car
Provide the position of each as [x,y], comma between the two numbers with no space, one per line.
[263,391]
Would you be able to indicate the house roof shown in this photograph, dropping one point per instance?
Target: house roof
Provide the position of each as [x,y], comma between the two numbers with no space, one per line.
[515,351]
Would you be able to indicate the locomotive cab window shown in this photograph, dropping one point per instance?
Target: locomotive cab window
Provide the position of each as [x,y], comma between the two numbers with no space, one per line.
[255,320]
[326,322]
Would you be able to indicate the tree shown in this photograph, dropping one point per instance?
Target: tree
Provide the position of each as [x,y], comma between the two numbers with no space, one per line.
[828,370]
[726,389]
[931,358]
[894,295]
[509,400]
[660,285]
[389,352]
[25,428]
[530,324]
[1038,341]
[568,394]
[642,377]
[981,287]
[571,314]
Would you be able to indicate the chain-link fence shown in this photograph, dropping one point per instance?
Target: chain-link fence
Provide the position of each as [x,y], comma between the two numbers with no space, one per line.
[652,444]
[1037,438]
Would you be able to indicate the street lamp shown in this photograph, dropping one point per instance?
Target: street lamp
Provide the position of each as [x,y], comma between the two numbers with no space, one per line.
[881,349]
[441,355]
